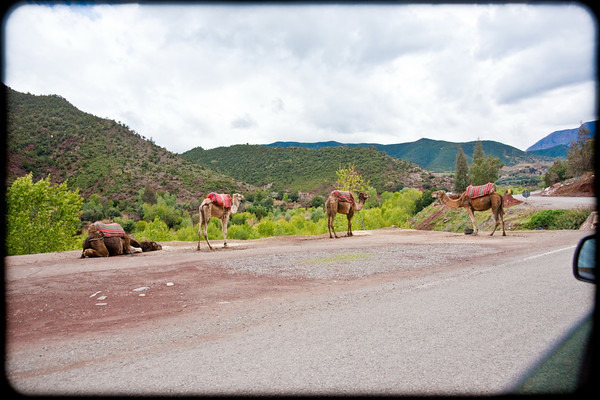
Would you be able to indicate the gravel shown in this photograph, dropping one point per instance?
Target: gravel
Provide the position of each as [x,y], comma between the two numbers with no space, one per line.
[354,263]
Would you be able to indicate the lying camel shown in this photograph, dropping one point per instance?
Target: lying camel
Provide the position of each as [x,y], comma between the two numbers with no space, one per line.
[97,244]
[343,203]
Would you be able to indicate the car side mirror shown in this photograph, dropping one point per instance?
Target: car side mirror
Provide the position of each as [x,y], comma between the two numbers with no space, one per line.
[584,261]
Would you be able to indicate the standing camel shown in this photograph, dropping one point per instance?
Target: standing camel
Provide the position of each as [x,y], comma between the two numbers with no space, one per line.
[343,203]
[492,200]
[219,206]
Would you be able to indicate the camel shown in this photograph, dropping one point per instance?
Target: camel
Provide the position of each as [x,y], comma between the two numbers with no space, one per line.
[493,200]
[212,208]
[97,245]
[343,203]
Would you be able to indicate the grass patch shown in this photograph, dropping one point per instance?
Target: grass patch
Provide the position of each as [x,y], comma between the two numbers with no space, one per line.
[337,258]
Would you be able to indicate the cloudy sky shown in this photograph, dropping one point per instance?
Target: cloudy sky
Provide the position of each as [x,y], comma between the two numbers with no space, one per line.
[212,75]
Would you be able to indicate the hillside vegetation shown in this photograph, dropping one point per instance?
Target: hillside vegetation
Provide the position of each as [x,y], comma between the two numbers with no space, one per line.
[302,169]
[437,155]
[48,135]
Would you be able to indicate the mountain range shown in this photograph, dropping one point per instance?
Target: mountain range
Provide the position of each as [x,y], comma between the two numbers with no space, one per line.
[558,142]
[435,155]
[46,135]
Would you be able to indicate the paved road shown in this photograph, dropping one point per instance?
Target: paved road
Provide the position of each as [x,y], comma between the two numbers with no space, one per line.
[557,202]
[469,330]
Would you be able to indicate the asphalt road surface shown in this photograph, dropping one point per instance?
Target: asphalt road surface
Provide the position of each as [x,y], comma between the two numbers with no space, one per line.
[390,311]
[556,202]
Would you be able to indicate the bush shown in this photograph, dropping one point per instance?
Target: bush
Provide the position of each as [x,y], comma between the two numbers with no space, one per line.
[41,217]
[557,219]
[239,232]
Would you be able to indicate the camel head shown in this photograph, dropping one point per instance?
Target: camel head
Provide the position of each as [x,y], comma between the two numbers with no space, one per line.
[363,196]
[237,198]
[93,232]
[438,194]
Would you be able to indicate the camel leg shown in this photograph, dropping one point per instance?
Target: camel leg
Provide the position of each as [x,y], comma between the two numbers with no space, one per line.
[203,225]
[94,253]
[200,224]
[224,221]
[127,245]
[331,225]
[495,225]
[349,233]
[499,218]
[96,248]
[497,222]
[331,207]
[472,216]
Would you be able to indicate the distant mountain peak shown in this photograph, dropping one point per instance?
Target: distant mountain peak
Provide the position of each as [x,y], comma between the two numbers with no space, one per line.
[562,137]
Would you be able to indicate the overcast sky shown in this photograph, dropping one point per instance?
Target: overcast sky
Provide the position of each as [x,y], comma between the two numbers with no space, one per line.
[216,75]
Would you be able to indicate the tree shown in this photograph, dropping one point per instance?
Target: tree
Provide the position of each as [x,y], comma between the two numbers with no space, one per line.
[556,173]
[484,169]
[41,217]
[580,158]
[148,195]
[461,172]
[349,179]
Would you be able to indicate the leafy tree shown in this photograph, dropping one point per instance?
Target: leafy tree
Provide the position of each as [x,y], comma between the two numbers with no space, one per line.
[41,217]
[317,201]
[350,179]
[556,173]
[580,158]
[93,209]
[165,210]
[484,169]
[148,195]
[461,172]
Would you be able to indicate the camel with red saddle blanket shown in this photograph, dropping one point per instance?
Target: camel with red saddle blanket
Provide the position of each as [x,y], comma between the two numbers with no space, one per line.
[110,239]
[477,198]
[342,202]
[217,205]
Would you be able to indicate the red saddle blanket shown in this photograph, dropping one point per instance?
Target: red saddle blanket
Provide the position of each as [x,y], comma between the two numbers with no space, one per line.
[222,200]
[108,230]
[343,196]
[478,191]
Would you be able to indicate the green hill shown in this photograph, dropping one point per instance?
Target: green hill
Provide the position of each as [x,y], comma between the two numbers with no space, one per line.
[438,155]
[48,135]
[311,170]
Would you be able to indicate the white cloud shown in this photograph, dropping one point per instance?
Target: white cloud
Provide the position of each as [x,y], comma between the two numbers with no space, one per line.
[213,75]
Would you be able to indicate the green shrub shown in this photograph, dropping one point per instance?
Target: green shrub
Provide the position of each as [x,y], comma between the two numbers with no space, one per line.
[187,234]
[41,217]
[557,219]
[239,232]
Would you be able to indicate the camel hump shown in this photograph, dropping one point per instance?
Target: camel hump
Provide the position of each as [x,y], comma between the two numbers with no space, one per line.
[109,230]
[343,196]
[220,199]
[479,191]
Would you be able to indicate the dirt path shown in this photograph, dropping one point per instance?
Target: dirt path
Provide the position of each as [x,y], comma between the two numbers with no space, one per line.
[58,295]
